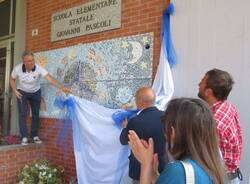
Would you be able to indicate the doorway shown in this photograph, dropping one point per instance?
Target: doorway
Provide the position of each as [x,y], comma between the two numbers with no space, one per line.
[6,64]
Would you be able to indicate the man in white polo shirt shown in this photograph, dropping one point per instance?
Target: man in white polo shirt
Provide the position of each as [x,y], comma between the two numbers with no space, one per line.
[25,83]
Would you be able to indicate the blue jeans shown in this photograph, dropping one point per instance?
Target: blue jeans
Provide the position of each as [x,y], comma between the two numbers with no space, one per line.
[34,99]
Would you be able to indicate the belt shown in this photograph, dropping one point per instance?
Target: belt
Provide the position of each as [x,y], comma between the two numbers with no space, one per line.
[236,174]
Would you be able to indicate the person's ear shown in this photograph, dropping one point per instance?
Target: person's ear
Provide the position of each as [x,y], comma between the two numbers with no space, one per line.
[209,92]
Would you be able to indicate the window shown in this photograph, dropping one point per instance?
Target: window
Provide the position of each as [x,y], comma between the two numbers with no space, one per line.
[7,17]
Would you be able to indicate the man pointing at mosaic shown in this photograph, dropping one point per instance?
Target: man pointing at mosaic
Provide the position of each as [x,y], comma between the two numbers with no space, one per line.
[25,83]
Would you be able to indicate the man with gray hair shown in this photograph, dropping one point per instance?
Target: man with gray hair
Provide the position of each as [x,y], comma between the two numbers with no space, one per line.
[25,83]
[146,124]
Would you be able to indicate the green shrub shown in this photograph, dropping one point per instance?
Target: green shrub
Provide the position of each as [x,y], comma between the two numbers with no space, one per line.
[40,172]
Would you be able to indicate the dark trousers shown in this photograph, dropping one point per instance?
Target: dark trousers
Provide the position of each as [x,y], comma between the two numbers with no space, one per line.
[34,99]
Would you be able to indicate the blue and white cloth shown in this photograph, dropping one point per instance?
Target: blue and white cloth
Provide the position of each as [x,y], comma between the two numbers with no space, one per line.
[99,156]
[163,83]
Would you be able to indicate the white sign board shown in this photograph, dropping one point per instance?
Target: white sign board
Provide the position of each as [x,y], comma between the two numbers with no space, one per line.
[95,16]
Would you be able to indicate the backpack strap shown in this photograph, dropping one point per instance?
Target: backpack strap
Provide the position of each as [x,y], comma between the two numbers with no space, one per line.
[189,172]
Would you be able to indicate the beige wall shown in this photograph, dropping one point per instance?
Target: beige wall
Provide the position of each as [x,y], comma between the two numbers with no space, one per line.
[215,34]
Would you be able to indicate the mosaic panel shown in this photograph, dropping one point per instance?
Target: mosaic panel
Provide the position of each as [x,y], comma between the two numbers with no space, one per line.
[107,72]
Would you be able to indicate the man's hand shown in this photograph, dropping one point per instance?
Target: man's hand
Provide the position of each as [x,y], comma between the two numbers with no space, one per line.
[66,90]
[18,94]
[125,123]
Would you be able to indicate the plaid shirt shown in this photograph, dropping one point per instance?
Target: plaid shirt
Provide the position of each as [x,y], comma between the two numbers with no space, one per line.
[230,135]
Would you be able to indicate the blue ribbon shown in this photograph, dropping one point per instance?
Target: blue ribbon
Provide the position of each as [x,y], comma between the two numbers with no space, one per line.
[68,103]
[120,115]
[62,103]
[62,134]
[166,36]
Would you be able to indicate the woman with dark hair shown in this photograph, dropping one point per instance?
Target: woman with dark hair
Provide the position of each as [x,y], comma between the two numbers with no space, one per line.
[192,138]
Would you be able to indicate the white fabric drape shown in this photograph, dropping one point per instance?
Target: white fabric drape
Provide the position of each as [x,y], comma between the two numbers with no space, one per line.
[99,156]
[163,83]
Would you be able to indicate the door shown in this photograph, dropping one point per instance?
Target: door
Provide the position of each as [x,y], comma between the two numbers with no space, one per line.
[6,63]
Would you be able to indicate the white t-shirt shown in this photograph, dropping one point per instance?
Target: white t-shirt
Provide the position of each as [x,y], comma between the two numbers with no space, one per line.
[28,81]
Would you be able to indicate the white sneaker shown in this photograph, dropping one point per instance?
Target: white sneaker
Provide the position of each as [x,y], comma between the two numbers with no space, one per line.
[37,140]
[24,141]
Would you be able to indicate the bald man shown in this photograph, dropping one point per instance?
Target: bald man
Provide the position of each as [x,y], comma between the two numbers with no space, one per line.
[146,124]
